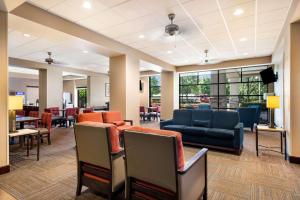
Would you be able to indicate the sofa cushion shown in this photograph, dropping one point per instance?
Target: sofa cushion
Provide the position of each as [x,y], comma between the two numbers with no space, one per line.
[220,133]
[180,151]
[202,115]
[225,119]
[119,123]
[201,123]
[112,116]
[195,131]
[182,117]
[178,128]
[91,117]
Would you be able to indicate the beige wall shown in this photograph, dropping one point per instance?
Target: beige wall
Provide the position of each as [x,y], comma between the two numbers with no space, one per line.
[97,90]
[4,160]
[144,94]
[124,86]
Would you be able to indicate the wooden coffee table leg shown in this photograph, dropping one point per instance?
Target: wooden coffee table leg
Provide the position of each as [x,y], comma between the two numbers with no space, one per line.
[256,140]
[27,139]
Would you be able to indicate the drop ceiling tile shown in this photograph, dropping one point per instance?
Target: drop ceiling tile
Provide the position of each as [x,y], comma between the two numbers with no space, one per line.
[199,7]
[270,5]
[45,4]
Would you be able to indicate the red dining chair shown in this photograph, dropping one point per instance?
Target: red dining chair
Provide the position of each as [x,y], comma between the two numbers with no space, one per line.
[45,126]
[20,113]
[143,113]
[70,116]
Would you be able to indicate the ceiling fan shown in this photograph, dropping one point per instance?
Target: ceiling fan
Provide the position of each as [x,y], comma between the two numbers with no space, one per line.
[172,29]
[50,60]
[208,60]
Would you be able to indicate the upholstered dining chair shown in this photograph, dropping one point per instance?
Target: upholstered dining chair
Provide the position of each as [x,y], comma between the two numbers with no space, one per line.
[155,167]
[70,116]
[143,113]
[45,126]
[100,160]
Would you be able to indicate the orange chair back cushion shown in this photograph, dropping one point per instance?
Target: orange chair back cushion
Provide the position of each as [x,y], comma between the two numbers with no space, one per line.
[47,120]
[112,116]
[90,117]
[165,133]
[113,134]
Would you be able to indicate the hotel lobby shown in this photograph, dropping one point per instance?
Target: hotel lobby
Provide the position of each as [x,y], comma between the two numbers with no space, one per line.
[139,99]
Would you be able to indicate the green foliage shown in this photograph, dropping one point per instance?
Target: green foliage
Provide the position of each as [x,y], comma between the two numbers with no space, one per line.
[154,85]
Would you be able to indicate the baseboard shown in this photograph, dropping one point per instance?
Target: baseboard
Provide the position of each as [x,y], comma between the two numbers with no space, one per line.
[4,169]
[294,159]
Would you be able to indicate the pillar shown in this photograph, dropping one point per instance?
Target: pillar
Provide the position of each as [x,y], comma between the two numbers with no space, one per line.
[4,152]
[124,75]
[144,94]
[168,102]
[50,88]
[96,85]
[88,91]
[294,107]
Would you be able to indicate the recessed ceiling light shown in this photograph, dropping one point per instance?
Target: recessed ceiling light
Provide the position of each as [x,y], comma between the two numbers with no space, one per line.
[245,54]
[243,39]
[84,51]
[238,12]
[26,35]
[87,4]
[141,36]
[169,52]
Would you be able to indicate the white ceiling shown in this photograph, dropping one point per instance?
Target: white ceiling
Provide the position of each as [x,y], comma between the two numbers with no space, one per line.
[204,24]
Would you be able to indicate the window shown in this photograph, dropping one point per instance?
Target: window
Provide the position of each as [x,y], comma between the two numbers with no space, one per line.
[82,97]
[154,91]
[223,89]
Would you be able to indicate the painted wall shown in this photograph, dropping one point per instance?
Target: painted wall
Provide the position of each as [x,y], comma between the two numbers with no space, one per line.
[167,95]
[97,90]
[144,94]
[20,85]
[286,60]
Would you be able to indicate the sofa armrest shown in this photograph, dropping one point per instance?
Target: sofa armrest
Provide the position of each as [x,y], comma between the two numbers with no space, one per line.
[239,135]
[194,174]
[130,121]
[165,123]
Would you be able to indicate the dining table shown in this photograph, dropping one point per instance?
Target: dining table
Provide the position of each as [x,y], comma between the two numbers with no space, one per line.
[23,119]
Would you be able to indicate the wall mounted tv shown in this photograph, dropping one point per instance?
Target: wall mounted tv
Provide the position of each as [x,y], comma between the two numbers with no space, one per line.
[141,86]
[268,75]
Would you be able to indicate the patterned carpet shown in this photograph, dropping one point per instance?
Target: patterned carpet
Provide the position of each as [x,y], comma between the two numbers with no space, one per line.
[230,177]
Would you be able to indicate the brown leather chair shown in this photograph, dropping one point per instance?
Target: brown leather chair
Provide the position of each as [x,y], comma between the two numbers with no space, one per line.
[100,158]
[152,168]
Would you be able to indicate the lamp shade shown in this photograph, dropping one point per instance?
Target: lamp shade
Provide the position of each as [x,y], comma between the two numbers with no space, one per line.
[273,102]
[15,102]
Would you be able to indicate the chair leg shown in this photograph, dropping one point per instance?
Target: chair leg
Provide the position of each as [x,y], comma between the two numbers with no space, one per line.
[49,141]
[79,187]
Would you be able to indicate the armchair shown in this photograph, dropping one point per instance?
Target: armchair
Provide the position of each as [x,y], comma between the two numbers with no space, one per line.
[100,159]
[247,116]
[90,117]
[158,154]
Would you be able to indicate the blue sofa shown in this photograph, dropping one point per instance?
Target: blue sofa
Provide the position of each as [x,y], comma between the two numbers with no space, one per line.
[207,128]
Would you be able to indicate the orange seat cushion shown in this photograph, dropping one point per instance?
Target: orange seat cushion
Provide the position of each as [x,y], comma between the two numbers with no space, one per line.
[119,123]
[113,134]
[91,117]
[166,133]
[112,116]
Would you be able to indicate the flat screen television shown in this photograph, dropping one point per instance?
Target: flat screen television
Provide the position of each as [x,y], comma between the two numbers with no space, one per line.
[268,76]
[141,86]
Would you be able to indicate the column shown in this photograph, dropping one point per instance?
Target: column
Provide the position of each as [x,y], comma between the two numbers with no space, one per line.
[124,75]
[50,88]
[88,91]
[293,107]
[4,152]
[144,94]
[167,94]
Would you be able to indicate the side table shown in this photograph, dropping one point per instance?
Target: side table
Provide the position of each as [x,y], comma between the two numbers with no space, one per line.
[266,128]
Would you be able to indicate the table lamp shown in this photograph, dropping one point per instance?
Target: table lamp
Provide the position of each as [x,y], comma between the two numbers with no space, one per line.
[14,103]
[272,103]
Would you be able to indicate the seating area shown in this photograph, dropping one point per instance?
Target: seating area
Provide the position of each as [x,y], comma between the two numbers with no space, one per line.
[149,100]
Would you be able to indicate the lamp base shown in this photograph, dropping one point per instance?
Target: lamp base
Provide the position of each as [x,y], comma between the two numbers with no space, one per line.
[272,124]
[12,121]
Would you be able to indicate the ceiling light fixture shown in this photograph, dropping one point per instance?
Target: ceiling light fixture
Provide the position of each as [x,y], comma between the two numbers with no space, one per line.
[141,36]
[84,51]
[169,52]
[26,35]
[238,12]
[243,39]
[87,4]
